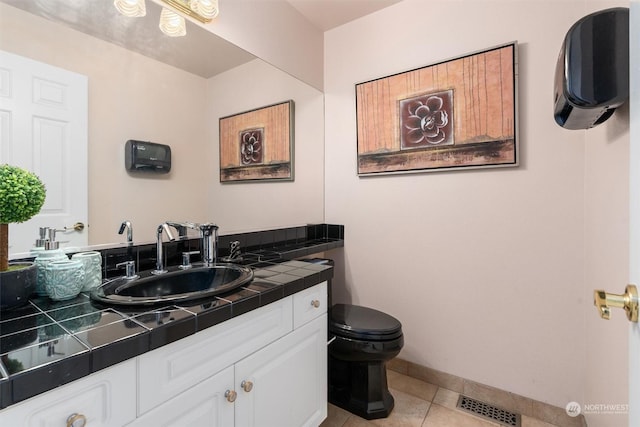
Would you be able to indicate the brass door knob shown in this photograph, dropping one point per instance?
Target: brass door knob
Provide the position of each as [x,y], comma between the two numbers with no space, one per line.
[315,303]
[246,386]
[78,226]
[230,395]
[629,301]
[76,420]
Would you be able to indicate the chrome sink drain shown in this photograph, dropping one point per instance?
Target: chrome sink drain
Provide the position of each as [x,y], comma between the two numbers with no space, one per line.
[488,412]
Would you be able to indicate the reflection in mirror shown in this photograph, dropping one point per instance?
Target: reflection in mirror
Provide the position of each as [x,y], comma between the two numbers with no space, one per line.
[200,52]
[143,85]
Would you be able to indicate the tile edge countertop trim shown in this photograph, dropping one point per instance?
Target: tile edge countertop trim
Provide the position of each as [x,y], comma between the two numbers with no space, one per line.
[60,342]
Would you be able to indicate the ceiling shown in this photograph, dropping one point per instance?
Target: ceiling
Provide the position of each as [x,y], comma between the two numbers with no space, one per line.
[328,14]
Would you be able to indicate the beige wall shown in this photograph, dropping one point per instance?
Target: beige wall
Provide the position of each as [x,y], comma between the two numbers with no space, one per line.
[274,31]
[243,206]
[490,271]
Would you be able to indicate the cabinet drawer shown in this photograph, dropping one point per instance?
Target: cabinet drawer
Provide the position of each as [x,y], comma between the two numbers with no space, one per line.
[106,398]
[174,368]
[309,304]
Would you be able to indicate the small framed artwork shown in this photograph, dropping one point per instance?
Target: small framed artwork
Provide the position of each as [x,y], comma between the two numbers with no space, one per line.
[257,145]
[456,114]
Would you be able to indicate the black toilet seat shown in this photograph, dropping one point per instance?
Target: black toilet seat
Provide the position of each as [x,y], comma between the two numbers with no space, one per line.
[363,323]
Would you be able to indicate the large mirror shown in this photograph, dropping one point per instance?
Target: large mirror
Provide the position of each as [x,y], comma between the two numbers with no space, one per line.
[146,86]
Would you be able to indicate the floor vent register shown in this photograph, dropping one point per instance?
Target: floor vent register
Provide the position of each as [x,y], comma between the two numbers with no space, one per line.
[488,412]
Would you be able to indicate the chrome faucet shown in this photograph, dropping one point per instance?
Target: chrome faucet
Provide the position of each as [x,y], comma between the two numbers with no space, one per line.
[165,226]
[209,245]
[160,257]
[127,225]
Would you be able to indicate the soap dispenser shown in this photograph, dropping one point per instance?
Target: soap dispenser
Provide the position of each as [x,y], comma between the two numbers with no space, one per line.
[40,242]
[51,253]
[51,243]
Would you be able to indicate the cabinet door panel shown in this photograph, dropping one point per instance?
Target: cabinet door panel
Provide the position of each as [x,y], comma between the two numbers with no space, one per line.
[289,380]
[202,405]
[106,398]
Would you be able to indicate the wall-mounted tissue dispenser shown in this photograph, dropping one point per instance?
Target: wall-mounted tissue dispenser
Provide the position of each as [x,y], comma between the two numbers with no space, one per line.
[592,73]
[145,156]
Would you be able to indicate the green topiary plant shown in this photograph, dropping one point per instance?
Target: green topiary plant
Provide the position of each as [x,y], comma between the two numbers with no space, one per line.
[21,197]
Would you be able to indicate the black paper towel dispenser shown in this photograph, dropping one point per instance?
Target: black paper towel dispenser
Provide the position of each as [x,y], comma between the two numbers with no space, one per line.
[592,73]
[143,156]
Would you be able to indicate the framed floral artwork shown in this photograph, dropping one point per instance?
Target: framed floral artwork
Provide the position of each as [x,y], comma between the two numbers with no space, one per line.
[456,114]
[257,145]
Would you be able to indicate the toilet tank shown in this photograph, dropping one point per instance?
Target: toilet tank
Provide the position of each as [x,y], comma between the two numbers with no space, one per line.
[592,72]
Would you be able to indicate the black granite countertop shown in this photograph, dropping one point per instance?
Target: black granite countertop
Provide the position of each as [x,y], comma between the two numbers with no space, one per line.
[46,343]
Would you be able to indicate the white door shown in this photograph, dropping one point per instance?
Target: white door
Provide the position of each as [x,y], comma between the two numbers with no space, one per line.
[43,128]
[629,300]
[634,220]
[285,383]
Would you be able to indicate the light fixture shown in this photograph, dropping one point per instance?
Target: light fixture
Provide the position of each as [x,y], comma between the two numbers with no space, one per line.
[172,24]
[131,8]
[202,10]
[206,8]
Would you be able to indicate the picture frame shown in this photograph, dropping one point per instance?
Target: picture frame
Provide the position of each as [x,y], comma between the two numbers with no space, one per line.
[257,145]
[456,114]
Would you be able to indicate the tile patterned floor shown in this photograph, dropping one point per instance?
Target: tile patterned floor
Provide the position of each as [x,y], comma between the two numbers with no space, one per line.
[419,404]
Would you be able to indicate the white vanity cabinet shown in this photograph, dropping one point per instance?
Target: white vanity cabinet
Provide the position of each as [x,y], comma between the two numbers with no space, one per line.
[105,398]
[253,370]
[267,367]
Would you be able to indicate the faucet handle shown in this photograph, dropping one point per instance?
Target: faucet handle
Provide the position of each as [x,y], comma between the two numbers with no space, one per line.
[186,260]
[234,252]
[130,269]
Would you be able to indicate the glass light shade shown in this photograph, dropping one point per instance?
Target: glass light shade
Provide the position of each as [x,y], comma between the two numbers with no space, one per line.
[132,8]
[172,24]
[206,8]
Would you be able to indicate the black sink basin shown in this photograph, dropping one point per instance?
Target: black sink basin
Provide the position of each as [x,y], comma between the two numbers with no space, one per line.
[173,287]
